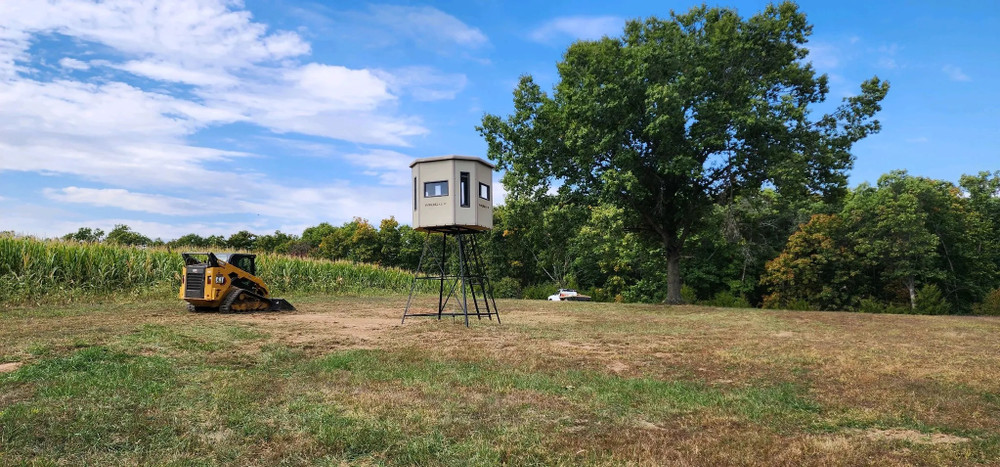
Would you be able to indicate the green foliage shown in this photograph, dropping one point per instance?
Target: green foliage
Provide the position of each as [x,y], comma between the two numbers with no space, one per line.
[356,240]
[678,115]
[930,301]
[887,240]
[279,242]
[123,235]
[85,235]
[816,270]
[539,292]
[190,241]
[688,294]
[242,240]
[507,287]
[870,305]
[726,299]
[990,305]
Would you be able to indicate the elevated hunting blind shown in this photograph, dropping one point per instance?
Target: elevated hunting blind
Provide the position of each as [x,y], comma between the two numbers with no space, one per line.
[453,196]
[452,193]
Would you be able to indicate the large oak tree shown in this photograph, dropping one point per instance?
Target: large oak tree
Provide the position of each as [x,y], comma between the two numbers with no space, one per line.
[679,114]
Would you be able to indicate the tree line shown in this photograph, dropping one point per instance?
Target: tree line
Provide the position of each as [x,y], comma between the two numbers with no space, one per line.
[390,244]
[905,244]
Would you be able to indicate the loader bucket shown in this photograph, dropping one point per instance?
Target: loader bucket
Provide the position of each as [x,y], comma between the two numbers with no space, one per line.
[280,304]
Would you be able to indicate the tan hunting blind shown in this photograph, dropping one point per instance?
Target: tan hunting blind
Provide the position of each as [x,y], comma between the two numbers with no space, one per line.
[452,193]
[453,196]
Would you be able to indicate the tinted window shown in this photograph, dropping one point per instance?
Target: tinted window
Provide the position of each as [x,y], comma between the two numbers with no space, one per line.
[435,189]
[464,190]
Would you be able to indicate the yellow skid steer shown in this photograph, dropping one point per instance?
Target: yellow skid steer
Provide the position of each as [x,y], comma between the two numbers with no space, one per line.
[226,282]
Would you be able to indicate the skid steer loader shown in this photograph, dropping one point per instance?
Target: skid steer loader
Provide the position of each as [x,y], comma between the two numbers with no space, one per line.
[226,282]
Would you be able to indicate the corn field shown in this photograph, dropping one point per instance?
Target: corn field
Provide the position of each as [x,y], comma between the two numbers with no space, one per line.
[49,271]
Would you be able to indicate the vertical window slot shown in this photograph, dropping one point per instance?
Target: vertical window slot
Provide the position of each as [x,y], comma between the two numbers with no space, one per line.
[464,190]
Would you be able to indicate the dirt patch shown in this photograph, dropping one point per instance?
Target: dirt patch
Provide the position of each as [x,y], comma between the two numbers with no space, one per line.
[9,367]
[618,367]
[913,436]
[645,425]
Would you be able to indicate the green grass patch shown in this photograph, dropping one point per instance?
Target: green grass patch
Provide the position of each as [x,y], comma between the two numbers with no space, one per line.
[94,399]
[613,397]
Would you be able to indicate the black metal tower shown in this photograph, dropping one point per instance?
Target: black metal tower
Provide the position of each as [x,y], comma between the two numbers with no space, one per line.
[471,274]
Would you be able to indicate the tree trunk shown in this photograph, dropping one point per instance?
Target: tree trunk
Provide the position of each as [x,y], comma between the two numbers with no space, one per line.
[911,286]
[673,248]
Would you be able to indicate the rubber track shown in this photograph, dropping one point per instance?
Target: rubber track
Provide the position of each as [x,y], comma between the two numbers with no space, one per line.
[234,293]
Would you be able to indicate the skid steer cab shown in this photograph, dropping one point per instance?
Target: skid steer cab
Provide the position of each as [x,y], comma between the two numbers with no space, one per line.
[227,283]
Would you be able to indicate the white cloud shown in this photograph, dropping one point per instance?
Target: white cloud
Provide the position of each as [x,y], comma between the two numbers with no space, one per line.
[391,167]
[578,27]
[166,71]
[886,62]
[238,68]
[73,64]
[955,73]
[426,25]
[124,199]
[191,32]
[425,83]
[340,87]
[135,139]
[31,219]
[339,200]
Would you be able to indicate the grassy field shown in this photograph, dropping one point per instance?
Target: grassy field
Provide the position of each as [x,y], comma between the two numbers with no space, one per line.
[341,381]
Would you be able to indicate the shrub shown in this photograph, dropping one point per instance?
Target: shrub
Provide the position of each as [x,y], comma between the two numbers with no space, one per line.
[870,305]
[930,301]
[539,291]
[642,291]
[726,299]
[990,305]
[688,294]
[507,287]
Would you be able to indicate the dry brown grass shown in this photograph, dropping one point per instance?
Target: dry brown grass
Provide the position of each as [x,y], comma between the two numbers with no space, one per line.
[882,389]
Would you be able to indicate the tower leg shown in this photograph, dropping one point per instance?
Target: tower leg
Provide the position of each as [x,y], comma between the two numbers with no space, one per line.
[444,250]
[413,286]
[471,273]
[463,274]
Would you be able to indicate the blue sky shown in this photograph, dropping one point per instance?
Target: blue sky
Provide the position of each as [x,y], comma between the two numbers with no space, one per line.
[207,116]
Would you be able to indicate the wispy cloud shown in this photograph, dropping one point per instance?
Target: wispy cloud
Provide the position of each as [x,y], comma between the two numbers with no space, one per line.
[391,167]
[578,27]
[955,73]
[824,56]
[887,56]
[73,64]
[425,83]
[420,22]
[391,25]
